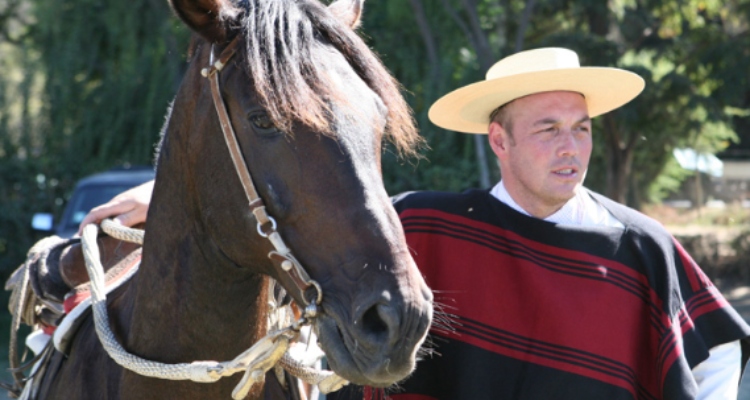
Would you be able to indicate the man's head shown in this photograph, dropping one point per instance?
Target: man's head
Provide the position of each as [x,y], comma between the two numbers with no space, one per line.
[543,144]
[537,107]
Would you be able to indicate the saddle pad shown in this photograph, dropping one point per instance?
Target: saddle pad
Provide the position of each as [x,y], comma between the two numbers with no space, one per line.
[78,301]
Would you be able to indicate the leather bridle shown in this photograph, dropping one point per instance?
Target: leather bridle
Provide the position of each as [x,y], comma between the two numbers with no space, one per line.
[287,266]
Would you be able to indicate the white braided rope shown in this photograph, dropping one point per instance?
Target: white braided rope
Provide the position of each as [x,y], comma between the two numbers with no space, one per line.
[326,381]
[122,232]
[255,361]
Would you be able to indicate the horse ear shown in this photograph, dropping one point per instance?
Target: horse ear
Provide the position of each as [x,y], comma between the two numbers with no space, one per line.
[347,11]
[206,17]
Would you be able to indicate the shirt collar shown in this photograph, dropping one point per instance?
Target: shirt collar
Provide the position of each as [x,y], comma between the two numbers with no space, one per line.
[580,210]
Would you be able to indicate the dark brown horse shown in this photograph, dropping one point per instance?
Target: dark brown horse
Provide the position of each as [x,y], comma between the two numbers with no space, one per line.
[310,104]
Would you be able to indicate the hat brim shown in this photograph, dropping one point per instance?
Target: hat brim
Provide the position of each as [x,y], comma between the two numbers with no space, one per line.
[467,109]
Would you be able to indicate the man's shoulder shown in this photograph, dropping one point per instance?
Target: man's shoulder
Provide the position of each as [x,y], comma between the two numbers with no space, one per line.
[445,201]
[634,220]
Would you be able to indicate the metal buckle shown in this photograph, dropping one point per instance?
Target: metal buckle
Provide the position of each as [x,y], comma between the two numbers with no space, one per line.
[273,227]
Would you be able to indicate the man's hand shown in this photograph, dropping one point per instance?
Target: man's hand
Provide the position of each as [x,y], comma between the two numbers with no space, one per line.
[128,208]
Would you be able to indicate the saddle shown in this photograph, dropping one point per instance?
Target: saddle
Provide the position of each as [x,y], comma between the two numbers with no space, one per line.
[56,270]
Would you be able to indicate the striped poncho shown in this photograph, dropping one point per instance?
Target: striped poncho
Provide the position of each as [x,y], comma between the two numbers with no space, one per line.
[538,310]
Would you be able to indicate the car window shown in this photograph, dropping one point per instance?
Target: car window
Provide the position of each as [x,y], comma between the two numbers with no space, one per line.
[87,198]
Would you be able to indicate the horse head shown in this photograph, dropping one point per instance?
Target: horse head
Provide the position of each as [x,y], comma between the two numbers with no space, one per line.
[310,105]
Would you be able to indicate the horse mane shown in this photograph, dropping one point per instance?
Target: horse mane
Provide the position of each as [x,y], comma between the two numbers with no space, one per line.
[280,36]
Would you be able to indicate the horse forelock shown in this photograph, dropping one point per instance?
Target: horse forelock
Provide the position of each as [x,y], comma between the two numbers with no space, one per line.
[280,39]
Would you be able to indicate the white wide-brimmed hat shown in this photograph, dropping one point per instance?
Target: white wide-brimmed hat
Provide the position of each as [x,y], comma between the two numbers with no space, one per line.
[468,109]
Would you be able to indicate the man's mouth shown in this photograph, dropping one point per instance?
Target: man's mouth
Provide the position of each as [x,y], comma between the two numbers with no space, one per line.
[566,171]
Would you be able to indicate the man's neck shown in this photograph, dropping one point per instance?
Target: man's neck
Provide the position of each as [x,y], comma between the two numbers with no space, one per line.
[501,192]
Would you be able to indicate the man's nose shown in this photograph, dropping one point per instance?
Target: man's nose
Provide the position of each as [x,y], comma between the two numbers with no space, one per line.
[567,144]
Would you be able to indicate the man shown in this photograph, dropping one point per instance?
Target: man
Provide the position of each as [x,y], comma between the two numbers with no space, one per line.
[550,291]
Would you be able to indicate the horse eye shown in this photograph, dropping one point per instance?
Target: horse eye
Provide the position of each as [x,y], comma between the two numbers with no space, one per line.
[261,122]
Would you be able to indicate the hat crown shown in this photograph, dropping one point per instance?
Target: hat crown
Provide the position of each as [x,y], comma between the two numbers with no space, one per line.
[544,59]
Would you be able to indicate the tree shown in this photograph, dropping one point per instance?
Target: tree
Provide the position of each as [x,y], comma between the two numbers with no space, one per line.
[683,104]
[437,47]
[19,188]
[88,87]
[686,51]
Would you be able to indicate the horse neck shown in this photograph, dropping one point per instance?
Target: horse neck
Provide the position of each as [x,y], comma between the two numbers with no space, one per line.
[188,297]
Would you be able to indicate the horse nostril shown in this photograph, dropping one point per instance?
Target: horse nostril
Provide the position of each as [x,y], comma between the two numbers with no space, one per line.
[372,321]
[381,322]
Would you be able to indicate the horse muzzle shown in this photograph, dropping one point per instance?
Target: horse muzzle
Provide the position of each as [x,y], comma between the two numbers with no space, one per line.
[377,344]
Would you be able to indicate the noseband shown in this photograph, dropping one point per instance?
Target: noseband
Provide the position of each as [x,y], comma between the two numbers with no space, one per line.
[286,264]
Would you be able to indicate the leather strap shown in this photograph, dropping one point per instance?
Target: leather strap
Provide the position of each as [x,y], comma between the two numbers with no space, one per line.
[289,269]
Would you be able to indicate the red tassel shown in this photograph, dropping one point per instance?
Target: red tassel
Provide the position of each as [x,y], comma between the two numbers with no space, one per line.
[371,393]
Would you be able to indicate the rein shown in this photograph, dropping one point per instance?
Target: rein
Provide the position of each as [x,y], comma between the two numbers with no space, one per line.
[271,350]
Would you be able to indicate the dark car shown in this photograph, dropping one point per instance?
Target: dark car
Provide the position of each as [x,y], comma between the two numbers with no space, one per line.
[89,193]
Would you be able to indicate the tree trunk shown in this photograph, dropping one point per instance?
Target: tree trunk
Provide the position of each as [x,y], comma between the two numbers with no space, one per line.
[486,58]
[619,160]
[479,40]
[523,24]
[485,53]
[619,145]
[425,30]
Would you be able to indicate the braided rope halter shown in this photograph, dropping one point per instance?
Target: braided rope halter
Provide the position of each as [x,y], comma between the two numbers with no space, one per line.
[270,350]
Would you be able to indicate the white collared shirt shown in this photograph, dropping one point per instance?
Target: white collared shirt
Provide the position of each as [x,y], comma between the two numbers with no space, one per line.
[581,210]
[719,375]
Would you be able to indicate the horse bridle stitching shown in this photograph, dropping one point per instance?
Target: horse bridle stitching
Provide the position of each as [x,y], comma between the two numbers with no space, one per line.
[281,257]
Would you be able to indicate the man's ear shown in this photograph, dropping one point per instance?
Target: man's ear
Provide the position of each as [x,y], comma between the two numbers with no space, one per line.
[348,12]
[499,139]
[206,17]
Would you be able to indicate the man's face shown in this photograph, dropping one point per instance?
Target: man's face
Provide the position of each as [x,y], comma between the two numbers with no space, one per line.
[545,157]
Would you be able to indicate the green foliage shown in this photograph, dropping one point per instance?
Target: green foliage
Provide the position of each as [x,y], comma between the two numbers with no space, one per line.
[87,88]
[682,49]
[448,162]
[19,190]
[110,71]
[667,181]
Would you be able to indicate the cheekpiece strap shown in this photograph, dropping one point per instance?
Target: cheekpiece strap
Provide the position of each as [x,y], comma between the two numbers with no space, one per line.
[290,270]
